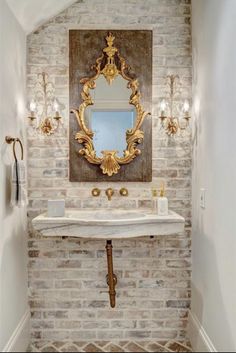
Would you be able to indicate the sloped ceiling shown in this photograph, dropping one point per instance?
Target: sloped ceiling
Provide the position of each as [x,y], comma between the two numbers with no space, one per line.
[32,13]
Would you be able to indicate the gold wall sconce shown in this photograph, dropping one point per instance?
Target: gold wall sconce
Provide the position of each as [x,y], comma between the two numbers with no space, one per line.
[174,111]
[44,116]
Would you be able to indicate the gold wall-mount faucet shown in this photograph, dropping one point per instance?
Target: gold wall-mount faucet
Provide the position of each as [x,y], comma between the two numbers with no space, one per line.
[109,193]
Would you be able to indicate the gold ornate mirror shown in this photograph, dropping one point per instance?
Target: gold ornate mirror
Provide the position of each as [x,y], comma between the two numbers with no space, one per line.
[110,115]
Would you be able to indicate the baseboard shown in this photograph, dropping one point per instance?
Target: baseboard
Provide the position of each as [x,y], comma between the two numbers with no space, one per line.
[20,338]
[198,337]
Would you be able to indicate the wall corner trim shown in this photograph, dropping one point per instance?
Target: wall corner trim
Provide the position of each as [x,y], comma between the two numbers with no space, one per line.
[20,339]
[198,337]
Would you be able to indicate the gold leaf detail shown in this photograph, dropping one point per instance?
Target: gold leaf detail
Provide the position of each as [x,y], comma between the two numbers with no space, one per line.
[172,127]
[47,127]
[109,163]
[110,72]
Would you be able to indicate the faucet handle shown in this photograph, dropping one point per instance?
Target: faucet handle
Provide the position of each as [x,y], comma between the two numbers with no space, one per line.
[96,192]
[124,192]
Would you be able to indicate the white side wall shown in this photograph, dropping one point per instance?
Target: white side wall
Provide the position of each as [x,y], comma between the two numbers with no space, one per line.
[13,233]
[214,229]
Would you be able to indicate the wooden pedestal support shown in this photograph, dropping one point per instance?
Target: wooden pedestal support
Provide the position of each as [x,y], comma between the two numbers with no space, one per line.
[111,277]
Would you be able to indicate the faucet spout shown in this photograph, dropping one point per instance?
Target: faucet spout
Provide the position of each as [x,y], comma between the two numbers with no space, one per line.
[109,193]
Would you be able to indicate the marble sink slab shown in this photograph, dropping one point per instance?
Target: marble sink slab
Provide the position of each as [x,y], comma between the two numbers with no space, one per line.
[109,224]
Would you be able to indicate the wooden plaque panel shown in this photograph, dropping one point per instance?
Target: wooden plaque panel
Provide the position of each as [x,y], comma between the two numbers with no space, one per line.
[136,47]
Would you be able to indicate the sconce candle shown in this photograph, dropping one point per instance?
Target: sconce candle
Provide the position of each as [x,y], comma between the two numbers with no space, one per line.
[173,119]
[56,106]
[186,107]
[44,107]
[32,107]
[163,107]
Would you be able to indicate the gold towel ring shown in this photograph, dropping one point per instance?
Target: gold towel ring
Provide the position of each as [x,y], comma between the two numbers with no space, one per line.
[13,140]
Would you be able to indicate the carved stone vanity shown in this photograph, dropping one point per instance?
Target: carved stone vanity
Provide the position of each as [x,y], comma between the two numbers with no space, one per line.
[109,224]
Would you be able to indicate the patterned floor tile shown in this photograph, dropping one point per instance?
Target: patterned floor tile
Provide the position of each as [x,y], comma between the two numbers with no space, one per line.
[142,344]
[112,347]
[91,348]
[101,344]
[49,349]
[187,344]
[177,347]
[59,345]
[122,343]
[134,347]
[155,347]
[70,348]
[80,344]
[41,344]
[162,343]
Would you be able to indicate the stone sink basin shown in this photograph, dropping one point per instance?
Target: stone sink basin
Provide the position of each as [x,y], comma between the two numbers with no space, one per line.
[109,224]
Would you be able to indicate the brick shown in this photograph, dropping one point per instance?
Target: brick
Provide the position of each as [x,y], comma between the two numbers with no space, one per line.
[42,325]
[123,324]
[150,324]
[68,325]
[58,314]
[67,277]
[95,325]
[138,334]
[137,314]
[110,314]
[181,304]
[110,335]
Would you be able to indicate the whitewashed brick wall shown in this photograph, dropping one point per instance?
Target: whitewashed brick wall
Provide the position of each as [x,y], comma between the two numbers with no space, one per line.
[69,297]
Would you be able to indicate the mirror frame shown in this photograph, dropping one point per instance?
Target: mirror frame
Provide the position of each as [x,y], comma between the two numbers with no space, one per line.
[110,163]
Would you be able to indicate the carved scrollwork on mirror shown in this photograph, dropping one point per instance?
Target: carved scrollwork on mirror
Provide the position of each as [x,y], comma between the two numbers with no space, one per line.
[111,70]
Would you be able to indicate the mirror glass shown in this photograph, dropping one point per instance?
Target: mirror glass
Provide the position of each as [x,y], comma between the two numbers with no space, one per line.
[111,115]
[110,128]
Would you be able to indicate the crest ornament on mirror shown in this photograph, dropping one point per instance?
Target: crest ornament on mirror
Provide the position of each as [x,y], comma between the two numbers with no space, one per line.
[110,115]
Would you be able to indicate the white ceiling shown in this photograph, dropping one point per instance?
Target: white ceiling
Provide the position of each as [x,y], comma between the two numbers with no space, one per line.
[32,13]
